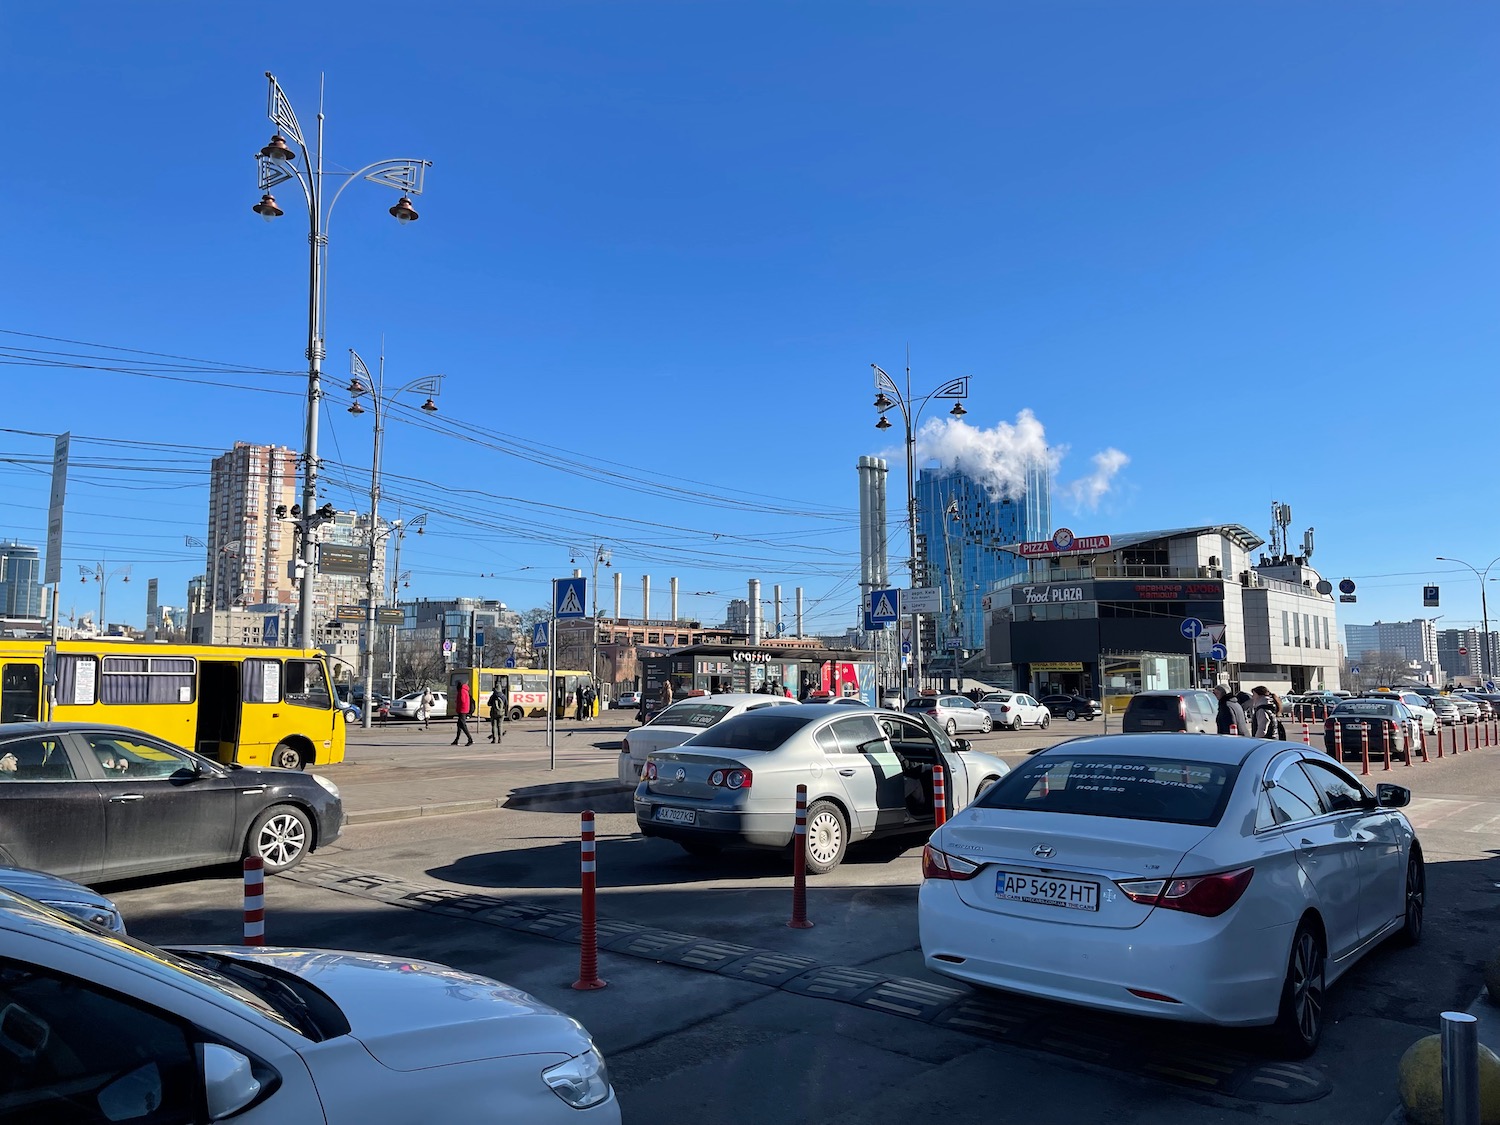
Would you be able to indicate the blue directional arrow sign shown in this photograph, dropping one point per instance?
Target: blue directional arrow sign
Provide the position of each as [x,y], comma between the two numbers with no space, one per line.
[1219,653]
[1192,628]
[567,597]
[885,606]
[539,635]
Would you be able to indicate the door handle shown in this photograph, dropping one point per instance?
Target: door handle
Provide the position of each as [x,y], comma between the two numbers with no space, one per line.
[123,798]
[847,773]
[1308,845]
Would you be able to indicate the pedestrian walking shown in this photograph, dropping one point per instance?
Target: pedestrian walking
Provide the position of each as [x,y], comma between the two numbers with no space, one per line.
[424,709]
[464,707]
[497,704]
[1265,719]
[666,694]
[1231,718]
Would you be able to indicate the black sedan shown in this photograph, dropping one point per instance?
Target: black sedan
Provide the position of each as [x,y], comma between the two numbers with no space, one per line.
[1071,707]
[92,803]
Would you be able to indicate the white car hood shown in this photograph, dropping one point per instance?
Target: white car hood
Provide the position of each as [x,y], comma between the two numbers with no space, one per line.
[411,1015]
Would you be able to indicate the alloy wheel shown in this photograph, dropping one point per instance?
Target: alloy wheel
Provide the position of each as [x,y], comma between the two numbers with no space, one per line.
[281,840]
[1416,897]
[1307,985]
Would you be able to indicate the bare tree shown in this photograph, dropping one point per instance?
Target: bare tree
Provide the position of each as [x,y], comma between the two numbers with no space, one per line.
[1377,669]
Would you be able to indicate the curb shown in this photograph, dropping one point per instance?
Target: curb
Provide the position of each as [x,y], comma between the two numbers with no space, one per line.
[563,792]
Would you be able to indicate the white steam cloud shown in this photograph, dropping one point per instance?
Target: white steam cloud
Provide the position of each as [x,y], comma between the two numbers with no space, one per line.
[1000,458]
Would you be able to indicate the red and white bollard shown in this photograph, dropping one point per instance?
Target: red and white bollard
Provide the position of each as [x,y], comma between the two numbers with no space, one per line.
[1364,747]
[1388,741]
[939,796]
[1306,734]
[1466,738]
[1406,742]
[1422,738]
[1338,742]
[588,953]
[255,900]
[799,865]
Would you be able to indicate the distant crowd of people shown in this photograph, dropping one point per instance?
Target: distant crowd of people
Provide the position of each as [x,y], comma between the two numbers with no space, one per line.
[1255,714]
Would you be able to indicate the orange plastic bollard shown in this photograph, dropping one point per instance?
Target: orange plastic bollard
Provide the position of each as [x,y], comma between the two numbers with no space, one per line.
[1364,747]
[255,900]
[1388,737]
[1466,738]
[588,953]
[1306,735]
[939,796]
[1338,741]
[1422,737]
[799,865]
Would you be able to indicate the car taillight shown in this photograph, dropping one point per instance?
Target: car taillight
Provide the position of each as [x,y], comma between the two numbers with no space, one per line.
[941,865]
[624,746]
[1005,706]
[932,712]
[648,771]
[731,779]
[1206,895]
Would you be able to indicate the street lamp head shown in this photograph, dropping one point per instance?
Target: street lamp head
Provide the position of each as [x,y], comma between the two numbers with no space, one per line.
[355,408]
[958,410]
[430,407]
[883,424]
[356,387]
[404,212]
[267,208]
[883,403]
[277,148]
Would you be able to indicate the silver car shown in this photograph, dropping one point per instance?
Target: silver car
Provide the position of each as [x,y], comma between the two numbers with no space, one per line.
[868,774]
[954,713]
[409,704]
[63,894]
[682,721]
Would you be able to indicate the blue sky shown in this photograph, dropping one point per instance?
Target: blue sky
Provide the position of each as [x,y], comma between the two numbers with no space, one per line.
[1250,245]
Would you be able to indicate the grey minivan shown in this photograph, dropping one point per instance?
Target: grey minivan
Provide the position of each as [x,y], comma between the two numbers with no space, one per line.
[1182,709]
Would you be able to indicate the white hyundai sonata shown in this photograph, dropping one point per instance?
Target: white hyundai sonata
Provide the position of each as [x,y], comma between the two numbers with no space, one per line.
[1193,877]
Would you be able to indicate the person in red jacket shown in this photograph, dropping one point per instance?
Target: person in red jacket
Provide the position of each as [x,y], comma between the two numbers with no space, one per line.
[464,709]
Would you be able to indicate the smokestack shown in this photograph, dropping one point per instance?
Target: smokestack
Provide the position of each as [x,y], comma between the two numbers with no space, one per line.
[866,470]
[674,597]
[645,597]
[619,583]
[881,564]
[754,599]
[776,608]
[799,611]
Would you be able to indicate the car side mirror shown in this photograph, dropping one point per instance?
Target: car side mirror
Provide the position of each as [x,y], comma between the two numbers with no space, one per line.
[1389,796]
[962,744]
[229,1082]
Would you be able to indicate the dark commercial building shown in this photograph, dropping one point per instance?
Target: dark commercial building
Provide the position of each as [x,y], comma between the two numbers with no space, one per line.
[729,668]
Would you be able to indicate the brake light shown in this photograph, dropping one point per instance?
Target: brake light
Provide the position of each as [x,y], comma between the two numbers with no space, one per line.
[648,771]
[624,746]
[1182,711]
[731,779]
[1205,895]
[1005,706]
[941,865]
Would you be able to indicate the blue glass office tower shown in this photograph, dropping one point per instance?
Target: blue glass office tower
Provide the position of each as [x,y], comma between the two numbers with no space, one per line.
[960,526]
[20,580]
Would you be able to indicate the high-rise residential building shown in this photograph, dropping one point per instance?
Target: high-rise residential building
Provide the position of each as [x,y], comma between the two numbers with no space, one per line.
[1360,639]
[1416,640]
[1458,652]
[961,524]
[248,550]
[737,617]
[20,580]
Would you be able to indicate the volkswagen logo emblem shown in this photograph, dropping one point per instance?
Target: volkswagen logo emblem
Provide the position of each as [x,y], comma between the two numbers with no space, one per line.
[1043,851]
[681,774]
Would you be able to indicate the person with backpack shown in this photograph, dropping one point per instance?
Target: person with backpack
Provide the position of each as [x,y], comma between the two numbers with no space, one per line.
[1231,717]
[1265,719]
[496,704]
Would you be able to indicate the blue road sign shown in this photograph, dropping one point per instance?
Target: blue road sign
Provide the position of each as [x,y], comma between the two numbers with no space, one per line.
[478,638]
[567,597]
[1346,586]
[906,648]
[539,635]
[885,606]
[270,630]
[1192,628]
[1355,670]
[871,623]
[1219,653]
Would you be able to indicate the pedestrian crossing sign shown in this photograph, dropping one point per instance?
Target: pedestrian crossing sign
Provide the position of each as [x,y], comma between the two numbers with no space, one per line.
[539,635]
[567,597]
[883,606]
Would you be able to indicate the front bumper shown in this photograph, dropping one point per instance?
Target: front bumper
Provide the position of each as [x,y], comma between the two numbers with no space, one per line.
[1215,977]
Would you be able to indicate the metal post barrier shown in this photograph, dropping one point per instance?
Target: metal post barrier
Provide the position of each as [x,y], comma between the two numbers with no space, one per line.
[939,796]
[588,953]
[1406,742]
[1460,1041]
[1338,741]
[255,900]
[1306,734]
[1466,738]
[1439,730]
[1364,747]
[799,865]
[1422,737]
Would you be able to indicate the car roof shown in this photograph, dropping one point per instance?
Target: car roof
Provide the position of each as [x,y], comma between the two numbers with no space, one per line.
[1222,749]
[21,730]
[729,697]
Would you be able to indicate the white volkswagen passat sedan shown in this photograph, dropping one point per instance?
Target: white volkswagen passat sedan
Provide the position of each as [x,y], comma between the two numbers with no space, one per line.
[1193,877]
[95,1026]
[683,720]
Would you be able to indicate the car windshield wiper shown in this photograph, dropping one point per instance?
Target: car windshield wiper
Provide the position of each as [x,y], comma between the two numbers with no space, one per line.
[270,988]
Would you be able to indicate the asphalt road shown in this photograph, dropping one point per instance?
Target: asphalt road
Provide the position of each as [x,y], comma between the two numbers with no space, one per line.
[716,1011]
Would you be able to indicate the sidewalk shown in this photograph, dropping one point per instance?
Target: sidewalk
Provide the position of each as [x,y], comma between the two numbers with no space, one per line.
[399,771]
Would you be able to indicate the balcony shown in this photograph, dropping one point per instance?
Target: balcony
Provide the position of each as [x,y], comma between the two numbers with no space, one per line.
[1109,570]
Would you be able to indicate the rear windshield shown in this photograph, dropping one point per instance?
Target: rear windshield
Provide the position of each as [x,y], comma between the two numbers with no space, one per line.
[755,730]
[692,714]
[927,703]
[1162,789]
[1372,707]
[1170,703]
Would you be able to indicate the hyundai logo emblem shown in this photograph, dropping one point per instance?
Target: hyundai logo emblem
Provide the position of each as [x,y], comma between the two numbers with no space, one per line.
[682,775]
[1043,851]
